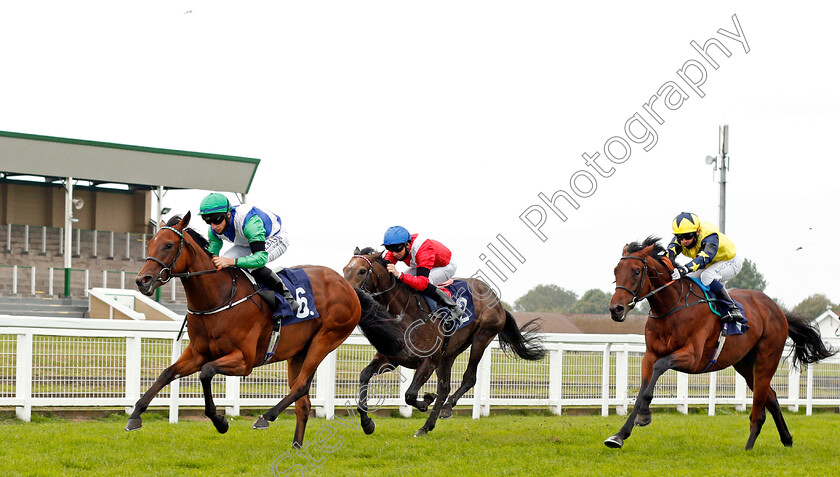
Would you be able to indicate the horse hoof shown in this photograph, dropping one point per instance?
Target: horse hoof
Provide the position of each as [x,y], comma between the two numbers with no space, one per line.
[642,421]
[614,442]
[420,433]
[445,413]
[261,423]
[222,426]
[134,424]
[369,428]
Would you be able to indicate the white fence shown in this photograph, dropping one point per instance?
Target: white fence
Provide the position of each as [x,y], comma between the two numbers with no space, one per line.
[48,362]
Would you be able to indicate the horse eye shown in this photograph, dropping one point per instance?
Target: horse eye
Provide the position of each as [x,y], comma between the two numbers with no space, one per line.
[636,271]
[361,272]
[168,246]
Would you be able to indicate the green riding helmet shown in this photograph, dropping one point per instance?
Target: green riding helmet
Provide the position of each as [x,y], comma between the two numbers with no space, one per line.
[214,203]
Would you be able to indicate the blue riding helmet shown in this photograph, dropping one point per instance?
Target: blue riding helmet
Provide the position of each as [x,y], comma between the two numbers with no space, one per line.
[396,235]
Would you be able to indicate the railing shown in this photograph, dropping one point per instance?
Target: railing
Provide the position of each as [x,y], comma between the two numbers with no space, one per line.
[97,243]
[48,362]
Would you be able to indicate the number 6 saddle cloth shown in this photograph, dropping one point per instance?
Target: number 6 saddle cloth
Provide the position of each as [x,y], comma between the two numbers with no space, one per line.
[297,281]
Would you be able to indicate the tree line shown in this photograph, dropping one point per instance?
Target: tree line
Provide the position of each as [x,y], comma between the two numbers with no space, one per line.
[555,299]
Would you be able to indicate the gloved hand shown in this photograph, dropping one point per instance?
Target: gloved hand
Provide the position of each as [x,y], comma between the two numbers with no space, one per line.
[678,273]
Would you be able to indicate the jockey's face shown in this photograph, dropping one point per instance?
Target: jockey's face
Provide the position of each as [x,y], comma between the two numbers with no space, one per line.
[401,254]
[687,240]
[221,226]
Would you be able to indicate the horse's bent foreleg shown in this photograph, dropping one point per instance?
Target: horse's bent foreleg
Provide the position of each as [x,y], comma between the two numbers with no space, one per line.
[642,399]
[444,374]
[376,366]
[232,364]
[421,375]
[188,363]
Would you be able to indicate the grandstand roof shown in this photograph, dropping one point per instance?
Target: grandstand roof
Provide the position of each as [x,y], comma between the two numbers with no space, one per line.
[103,162]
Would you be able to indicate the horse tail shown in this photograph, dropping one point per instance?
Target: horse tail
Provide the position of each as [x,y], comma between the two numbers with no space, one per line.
[808,345]
[524,342]
[378,326]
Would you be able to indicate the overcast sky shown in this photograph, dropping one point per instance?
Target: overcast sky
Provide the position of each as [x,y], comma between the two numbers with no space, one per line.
[450,118]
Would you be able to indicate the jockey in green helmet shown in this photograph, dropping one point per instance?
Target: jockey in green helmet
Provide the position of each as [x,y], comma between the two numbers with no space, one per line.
[257,235]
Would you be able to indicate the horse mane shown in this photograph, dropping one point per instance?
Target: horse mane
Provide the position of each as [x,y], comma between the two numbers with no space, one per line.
[200,239]
[657,252]
[368,251]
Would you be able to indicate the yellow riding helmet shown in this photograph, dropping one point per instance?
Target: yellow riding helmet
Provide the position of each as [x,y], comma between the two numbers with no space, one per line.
[685,223]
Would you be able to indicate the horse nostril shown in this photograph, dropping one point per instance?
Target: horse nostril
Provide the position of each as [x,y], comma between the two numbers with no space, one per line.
[618,309]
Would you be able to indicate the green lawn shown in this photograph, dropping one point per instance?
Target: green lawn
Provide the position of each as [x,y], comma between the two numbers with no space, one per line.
[503,444]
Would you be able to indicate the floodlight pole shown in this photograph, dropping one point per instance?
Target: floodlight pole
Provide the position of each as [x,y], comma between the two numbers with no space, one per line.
[723,145]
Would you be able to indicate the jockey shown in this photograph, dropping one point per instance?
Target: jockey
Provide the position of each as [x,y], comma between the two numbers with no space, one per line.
[429,261]
[714,260]
[257,236]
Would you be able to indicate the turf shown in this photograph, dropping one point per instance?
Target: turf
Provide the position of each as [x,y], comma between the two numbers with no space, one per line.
[502,444]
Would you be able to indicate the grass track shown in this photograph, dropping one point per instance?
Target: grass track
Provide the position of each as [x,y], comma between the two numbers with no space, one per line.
[509,444]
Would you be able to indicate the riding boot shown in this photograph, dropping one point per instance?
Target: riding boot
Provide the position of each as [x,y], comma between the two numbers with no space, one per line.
[734,313]
[443,298]
[272,281]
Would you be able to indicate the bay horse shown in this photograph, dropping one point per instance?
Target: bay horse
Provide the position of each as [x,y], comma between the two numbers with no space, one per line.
[427,347]
[681,333]
[230,325]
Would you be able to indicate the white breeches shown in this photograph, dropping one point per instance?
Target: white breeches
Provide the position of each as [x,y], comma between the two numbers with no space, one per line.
[437,275]
[720,271]
[275,246]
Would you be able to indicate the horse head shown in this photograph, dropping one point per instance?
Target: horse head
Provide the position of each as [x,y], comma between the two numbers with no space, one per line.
[366,270]
[164,257]
[638,272]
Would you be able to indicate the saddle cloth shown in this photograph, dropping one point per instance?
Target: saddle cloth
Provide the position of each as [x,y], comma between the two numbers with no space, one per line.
[460,292]
[720,306]
[297,281]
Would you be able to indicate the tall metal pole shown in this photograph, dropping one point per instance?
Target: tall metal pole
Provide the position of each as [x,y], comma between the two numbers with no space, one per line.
[724,164]
[68,231]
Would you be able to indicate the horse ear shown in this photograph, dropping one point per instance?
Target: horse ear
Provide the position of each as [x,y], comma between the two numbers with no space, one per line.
[624,251]
[357,251]
[185,221]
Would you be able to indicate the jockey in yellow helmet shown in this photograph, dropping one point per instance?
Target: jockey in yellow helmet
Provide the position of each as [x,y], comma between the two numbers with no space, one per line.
[713,257]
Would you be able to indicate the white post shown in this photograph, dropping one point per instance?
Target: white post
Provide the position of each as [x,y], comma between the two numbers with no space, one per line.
[712,392]
[622,360]
[122,280]
[682,393]
[605,380]
[50,281]
[104,279]
[809,391]
[95,243]
[26,239]
[485,366]
[405,409]
[326,385]
[9,237]
[79,242]
[14,279]
[111,255]
[793,387]
[175,385]
[173,288]
[555,379]
[32,281]
[68,225]
[23,378]
[232,392]
[133,356]
[44,240]
[128,245]
[87,281]
[740,393]
[61,241]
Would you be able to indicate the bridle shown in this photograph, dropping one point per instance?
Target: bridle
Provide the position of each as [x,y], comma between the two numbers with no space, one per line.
[370,272]
[168,268]
[635,294]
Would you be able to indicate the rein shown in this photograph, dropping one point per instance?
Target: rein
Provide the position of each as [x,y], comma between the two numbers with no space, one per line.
[636,297]
[367,277]
[167,269]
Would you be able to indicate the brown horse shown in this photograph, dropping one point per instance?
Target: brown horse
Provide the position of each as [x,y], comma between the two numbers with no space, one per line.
[430,343]
[229,324]
[682,334]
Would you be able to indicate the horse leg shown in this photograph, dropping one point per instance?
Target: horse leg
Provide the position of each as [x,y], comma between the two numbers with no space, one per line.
[421,375]
[322,344]
[444,375]
[644,397]
[302,405]
[372,369]
[477,348]
[762,374]
[231,364]
[188,363]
